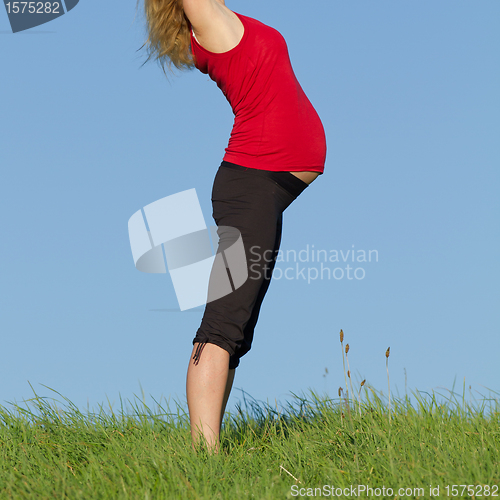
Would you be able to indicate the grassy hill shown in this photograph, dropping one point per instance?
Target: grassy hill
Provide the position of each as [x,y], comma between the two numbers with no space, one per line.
[316,447]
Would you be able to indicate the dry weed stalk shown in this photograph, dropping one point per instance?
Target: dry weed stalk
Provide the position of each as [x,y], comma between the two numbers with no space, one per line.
[296,480]
[341,412]
[349,370]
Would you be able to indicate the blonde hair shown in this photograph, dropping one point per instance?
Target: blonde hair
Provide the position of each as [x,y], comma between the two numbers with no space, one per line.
[169,40]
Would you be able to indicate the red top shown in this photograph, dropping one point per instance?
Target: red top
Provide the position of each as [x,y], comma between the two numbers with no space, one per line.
[275,126]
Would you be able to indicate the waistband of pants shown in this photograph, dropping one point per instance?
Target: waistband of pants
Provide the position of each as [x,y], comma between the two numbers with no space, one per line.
[286,180]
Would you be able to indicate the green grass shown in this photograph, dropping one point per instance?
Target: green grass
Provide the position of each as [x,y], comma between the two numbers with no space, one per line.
[49,452]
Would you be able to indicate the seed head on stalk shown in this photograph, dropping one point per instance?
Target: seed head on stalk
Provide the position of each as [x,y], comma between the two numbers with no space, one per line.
[387,353]
[343,360]
[359,395]
[342,413]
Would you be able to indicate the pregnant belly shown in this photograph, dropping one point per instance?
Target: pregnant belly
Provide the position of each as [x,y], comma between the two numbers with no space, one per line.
[307,177]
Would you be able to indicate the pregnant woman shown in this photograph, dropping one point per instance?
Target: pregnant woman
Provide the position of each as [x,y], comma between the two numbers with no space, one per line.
[276,149]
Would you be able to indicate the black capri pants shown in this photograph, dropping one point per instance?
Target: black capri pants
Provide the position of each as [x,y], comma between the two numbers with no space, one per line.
[253,202]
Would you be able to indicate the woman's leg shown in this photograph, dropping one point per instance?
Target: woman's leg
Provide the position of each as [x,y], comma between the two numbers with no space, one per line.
[206,388]
[253,205]
[227,392]
[252,322]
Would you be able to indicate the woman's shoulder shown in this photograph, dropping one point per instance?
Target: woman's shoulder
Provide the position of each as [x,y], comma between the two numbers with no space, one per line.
[219,30]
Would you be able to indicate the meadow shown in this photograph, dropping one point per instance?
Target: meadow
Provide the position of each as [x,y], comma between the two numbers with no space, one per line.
[359,445]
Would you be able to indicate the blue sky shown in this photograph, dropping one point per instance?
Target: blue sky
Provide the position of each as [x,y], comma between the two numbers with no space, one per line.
[408,93]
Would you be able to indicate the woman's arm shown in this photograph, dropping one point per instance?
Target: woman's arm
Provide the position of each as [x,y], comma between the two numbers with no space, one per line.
[217,28]
[201,13]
